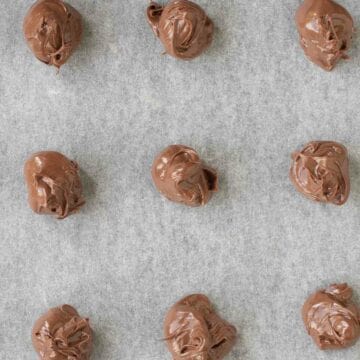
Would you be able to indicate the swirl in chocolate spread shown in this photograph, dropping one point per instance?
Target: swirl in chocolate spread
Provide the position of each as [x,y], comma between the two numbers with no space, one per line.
[331,318]
[182,26]
[326,29]
[193,330]
[54,185]
[61,334]
[179,174]
[320,171]
[53,30]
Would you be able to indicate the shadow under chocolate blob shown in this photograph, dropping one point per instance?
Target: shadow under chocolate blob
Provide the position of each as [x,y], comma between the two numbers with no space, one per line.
[61,334]
[326,29]
[179,175]
[182,26]
[193,330]
[331,318]
[53,183]
[53,30]
[320,171]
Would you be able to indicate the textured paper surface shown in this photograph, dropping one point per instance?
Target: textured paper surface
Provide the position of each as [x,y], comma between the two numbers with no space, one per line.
[258,249]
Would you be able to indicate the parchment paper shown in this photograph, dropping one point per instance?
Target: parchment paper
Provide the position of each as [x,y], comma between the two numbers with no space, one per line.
[258,249]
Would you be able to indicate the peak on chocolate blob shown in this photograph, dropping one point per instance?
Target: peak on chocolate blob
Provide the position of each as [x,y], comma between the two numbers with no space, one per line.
[61,334]
[320,171]
[193,330]
[182,26]
[180,175]
[53,30]
[326,30]
[331,318]
[53,183]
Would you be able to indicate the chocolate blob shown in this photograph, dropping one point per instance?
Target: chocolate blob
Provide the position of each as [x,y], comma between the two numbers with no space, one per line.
[61,334]
[194,331]
[179,175]
[53,30]
[331,318]
[326,30]
[53,183]
[320,171]
[182,26]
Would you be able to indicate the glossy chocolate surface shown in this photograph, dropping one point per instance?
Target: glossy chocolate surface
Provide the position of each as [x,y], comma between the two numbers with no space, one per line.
[320,171]
[53,30]
[182,26]
[53,184]
[179,174]
[61,334]
[326,29]
[193,330]
[331,318]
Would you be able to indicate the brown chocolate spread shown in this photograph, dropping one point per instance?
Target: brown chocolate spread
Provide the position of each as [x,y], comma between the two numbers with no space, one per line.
[193,330]
[179,174]
[54,185]
[320,171]
[331,318]
[61,334]
[326,29]
[53,30]
[182,26]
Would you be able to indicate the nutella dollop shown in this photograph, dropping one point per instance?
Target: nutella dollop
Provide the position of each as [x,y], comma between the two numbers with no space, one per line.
[179,174]
[331,318]
[53,30]
[193,330]
[61,334]
[320,171]
[182,26]
[54,185]
[326,30]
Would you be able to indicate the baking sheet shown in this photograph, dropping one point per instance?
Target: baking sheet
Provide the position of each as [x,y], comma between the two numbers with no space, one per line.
[258,249]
